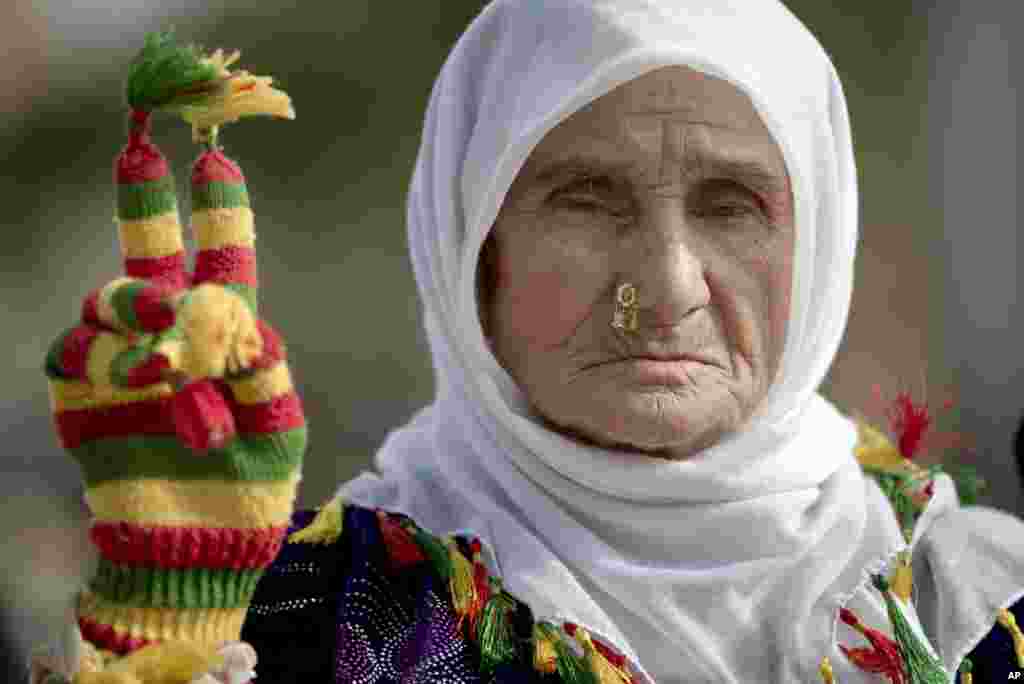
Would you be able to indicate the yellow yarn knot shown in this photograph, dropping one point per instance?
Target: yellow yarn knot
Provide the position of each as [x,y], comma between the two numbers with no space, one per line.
[603,669]
[1009,621]
[545,656]
[461,584]
[901,582]
[325,528]
[826,671]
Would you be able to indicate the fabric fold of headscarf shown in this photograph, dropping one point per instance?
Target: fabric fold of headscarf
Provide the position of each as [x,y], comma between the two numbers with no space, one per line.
[727,567]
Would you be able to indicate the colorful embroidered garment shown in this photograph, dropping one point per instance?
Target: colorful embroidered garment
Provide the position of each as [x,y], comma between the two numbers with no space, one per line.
[368,608]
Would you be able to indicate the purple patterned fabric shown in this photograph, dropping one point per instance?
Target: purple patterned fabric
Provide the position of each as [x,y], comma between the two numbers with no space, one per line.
[386,636]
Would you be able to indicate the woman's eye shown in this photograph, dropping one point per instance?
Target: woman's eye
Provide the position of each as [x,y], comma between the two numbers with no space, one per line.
[729,210]
[727,200]
[589,194]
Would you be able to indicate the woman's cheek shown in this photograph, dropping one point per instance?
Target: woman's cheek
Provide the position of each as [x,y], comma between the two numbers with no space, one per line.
[545,307]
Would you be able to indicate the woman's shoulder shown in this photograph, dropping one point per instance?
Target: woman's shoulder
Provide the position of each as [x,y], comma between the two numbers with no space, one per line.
[360,594]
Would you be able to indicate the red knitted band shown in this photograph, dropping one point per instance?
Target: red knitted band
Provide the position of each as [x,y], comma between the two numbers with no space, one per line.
[154,417]
[169,269]
[76,351]
[184,547]
[231,264]
[107,638]
[213,166]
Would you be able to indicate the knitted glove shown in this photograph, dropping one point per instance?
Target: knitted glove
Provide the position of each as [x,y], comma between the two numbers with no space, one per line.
[177,402]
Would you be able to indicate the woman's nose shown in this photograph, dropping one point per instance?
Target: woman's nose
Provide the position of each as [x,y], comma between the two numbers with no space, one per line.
[666,265]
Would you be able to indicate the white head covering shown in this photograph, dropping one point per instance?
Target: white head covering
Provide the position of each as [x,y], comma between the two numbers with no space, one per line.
[727,567]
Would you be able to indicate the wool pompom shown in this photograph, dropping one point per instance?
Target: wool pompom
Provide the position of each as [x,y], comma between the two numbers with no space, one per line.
[220,331]
[166,76]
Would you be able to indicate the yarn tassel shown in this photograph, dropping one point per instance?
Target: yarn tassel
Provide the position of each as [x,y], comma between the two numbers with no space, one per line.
[1009,621]
[922,667]
[965,671]
[825,669]
[902,579]
[326,527]
[497,644]
[461,584]
[402,550]
[168,77]
[884,655]
[608,667]
[571,668]
[545,655]
[434,550]
[481,580]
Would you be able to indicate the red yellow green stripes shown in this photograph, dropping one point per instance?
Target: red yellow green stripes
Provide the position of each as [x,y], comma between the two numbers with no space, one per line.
[130,305]
[147,210]
[187,546]
[222,224]
[192,587]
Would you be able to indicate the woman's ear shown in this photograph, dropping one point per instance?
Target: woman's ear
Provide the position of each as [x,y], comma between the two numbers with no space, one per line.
[485,283]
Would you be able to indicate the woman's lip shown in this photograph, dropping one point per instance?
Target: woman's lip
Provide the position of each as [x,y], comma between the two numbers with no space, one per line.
[651,370]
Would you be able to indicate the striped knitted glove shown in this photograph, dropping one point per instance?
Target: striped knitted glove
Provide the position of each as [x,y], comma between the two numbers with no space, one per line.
[178,404]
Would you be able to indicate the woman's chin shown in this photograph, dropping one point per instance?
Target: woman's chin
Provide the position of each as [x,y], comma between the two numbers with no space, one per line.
[661,424]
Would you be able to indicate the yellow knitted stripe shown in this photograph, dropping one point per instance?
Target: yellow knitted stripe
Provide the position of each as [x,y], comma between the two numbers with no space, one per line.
[104,349]
[220,227]
[71,395]
[263,385]
[154,237]
[205,503]
[196,625]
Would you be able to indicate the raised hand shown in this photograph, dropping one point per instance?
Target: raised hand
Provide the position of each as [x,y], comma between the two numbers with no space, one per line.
[178,403]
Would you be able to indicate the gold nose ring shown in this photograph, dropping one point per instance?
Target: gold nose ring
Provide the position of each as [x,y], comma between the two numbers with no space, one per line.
[626,308]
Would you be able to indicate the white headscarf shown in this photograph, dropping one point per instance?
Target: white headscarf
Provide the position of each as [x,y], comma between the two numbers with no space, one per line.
[727,567]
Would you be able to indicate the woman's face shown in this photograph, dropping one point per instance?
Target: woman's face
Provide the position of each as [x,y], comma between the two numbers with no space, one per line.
[673,183]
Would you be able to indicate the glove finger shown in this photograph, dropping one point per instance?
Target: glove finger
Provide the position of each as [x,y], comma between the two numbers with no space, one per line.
[131,305]
[147,212]
[266,404]
[222,224]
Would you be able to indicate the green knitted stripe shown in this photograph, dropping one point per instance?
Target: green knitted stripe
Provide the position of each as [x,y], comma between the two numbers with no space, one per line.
[127,360]
[219,195]
[151,587]
[248,458]
[123,303]
[54,355]
[146,200]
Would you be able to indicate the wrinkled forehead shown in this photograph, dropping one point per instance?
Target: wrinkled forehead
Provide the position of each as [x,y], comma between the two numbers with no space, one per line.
[668,119]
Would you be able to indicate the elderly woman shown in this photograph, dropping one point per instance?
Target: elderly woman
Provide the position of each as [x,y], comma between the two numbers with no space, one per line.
[633,226]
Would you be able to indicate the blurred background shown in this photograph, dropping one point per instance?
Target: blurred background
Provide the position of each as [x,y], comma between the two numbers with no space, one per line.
[933,102]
